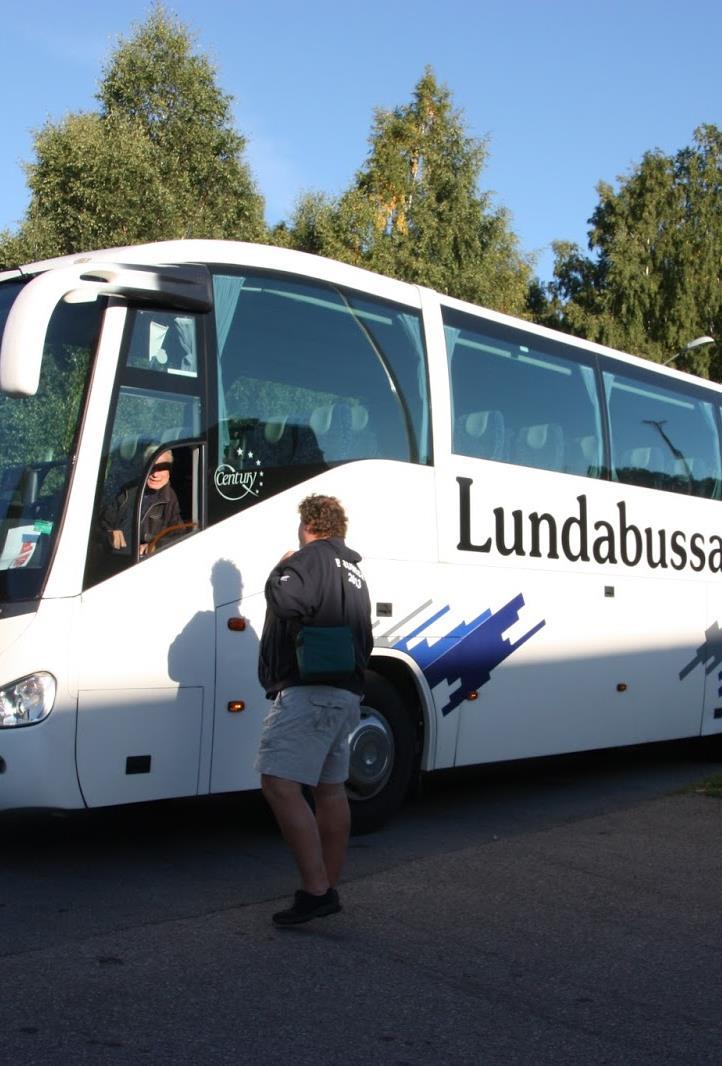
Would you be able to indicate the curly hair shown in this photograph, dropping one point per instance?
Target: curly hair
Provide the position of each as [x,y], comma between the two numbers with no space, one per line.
[324,515]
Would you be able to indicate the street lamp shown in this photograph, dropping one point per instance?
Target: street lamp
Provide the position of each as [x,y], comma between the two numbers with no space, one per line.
[696,343]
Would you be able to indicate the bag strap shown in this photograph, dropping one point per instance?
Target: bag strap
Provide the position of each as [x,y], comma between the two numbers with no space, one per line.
[343,583]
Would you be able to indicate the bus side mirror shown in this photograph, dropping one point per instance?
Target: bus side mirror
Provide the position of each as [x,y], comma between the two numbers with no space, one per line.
[184,288]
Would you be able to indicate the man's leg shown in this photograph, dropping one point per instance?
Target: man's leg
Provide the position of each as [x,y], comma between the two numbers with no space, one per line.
[333,819]
[300,830]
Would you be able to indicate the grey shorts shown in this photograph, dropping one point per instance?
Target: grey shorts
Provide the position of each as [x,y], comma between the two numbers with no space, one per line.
[305,734]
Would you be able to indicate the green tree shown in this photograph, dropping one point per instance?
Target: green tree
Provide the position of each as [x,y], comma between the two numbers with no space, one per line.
[653,281]
[414,210]
[160,159]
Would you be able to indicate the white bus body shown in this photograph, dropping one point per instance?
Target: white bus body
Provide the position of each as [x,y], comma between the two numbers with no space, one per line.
[538,519]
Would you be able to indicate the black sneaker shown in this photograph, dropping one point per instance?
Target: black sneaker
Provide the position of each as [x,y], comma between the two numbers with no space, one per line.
[306,906]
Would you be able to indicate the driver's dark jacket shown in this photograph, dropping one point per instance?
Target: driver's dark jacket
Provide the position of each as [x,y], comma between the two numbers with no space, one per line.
[307,589]
[162,511]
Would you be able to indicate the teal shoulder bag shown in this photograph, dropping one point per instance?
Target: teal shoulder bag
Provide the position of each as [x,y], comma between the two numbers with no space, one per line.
[323,652]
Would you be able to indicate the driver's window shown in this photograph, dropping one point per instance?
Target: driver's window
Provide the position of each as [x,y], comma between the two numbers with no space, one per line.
[149,495]
[165,342]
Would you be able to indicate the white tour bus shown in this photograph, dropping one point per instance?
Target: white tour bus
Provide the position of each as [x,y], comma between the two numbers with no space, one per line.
[539,519]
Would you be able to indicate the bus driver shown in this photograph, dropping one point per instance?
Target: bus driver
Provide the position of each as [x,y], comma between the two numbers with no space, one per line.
[159,508]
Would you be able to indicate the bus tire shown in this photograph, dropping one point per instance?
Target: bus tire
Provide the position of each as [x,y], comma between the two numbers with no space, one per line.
[381,756]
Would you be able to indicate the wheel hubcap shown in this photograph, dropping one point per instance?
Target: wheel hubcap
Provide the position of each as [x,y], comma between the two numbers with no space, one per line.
[371,747]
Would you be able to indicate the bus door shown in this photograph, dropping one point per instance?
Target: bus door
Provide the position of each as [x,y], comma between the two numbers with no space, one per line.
[146,630]
[240,704]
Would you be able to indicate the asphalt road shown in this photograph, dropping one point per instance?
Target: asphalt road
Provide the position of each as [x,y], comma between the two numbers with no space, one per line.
[565,911]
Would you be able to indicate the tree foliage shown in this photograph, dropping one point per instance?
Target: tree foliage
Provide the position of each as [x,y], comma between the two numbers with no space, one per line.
[160,159]
[653,282]
[414,210]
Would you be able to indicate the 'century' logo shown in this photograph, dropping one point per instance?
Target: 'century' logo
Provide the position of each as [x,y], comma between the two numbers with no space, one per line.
[237,484]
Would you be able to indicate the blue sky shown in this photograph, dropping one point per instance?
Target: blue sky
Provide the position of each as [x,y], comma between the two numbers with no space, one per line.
[568,93]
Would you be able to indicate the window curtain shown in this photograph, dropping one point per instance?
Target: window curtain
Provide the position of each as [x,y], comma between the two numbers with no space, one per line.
[226,293]
[412,328]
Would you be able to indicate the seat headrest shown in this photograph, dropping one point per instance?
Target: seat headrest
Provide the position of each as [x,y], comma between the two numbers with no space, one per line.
[273,431]
[320,420]
[477,422]
[590,448]
[128,447]
[646,457]
[359,417]
[348,416]
[537,436]
[176,433]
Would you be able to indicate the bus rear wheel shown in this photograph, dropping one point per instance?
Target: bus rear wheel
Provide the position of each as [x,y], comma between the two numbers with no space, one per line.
[381,756]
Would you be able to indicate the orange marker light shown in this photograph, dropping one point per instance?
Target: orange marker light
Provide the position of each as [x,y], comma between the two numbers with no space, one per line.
[473,695]
[237,624]
[235,706]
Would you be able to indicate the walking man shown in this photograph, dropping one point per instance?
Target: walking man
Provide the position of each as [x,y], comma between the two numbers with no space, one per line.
[305,735]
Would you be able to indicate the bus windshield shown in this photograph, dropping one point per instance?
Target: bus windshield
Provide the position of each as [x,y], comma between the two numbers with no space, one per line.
[37,441]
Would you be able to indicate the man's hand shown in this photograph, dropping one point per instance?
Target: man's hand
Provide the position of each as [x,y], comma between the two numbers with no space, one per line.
[117,539]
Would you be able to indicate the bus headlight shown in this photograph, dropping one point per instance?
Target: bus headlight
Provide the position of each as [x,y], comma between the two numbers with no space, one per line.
[28,700]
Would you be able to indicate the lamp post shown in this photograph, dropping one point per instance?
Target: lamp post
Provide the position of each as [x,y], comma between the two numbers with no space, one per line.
[696,343]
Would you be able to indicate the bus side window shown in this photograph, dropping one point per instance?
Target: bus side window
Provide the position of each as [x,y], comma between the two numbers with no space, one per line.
[541,407]
[662,437]
[310,375]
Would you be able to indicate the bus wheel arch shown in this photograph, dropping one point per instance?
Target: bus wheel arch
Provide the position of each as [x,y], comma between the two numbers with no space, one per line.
[385,747]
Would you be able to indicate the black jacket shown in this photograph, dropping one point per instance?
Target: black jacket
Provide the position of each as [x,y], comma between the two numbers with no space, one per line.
[319,585]
[160,509]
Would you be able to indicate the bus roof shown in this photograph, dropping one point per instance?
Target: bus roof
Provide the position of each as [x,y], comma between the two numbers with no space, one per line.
[264,256]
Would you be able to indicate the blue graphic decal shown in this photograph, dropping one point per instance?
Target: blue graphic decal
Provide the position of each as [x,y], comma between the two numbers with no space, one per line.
[467,655]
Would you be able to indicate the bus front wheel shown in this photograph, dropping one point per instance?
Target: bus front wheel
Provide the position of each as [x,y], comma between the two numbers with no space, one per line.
[381,756]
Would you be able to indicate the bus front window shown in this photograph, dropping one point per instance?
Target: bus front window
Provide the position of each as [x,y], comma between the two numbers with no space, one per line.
[37,441]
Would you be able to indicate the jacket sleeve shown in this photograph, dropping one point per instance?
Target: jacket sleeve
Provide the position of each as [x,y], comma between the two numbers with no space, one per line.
[173,514]
[111,516]
[291,590]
